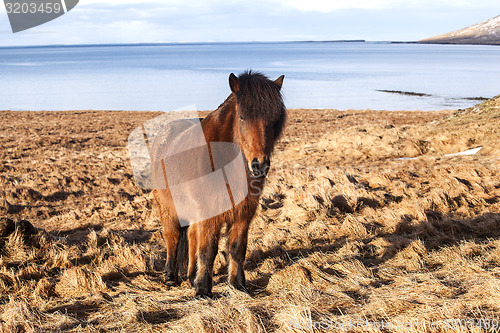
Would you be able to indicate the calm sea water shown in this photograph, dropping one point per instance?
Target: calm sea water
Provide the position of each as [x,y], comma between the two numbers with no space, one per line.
[318,75]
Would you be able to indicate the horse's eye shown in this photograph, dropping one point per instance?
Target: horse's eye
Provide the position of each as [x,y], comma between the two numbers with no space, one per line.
[241,117]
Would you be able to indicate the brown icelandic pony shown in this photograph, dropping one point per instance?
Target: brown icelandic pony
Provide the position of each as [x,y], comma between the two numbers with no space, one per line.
[253,117]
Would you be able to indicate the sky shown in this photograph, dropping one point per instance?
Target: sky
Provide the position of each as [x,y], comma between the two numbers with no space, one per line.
[151,21]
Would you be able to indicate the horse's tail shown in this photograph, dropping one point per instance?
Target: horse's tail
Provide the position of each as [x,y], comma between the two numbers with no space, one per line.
[182,252]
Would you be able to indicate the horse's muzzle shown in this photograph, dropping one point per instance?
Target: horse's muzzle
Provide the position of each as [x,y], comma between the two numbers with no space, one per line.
[260,170]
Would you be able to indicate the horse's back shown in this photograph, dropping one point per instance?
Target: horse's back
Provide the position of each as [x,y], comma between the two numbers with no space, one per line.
[183,175]
[169,142]
[179,153]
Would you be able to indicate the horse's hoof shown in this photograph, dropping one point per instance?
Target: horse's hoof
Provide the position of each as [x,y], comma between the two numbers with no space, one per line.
[204,295]
[242,289]
[171,283]
[238,284]
[191,280]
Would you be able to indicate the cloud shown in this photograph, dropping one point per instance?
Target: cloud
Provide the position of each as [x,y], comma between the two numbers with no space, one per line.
[134,21]
[326,6]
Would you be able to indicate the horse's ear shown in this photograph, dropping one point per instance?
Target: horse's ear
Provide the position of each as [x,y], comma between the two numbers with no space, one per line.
[279,81]
[234,83]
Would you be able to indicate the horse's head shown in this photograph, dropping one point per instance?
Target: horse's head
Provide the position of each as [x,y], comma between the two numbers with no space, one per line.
[260,118]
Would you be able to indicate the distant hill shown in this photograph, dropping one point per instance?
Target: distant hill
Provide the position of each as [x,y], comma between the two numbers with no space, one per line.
[487,32]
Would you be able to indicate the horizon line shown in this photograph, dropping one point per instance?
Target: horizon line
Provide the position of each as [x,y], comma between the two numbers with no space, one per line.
[200,43]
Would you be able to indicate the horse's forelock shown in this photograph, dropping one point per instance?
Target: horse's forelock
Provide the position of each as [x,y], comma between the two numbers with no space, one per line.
[259,97]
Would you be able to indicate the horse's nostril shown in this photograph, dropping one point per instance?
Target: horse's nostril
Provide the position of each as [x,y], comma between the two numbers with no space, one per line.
[267,163]
[255,165]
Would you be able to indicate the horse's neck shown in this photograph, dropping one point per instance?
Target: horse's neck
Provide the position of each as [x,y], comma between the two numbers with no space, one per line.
[218,125]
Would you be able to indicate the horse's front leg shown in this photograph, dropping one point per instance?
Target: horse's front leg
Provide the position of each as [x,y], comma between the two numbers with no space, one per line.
[237,248]
[208,245]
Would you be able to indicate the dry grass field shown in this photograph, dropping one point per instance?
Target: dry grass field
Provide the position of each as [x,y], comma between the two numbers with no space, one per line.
[348,236]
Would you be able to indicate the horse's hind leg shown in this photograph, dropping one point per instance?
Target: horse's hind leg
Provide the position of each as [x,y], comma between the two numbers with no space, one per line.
[171,234]
[208,244]
[237,247]
[193,249]
[171,237]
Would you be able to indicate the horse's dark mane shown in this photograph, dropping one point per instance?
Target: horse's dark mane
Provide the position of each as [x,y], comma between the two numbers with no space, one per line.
[259,97]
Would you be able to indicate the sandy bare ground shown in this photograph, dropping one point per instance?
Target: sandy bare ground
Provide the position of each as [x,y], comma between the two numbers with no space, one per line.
[346,235]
